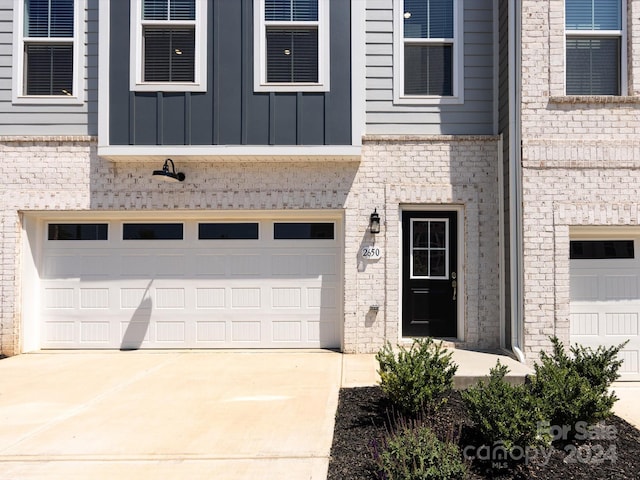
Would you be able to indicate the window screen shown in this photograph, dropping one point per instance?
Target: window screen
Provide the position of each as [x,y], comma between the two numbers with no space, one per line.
[169,55]
[48,64]
[593,47]
[428,47]
[169,41]
[292,50]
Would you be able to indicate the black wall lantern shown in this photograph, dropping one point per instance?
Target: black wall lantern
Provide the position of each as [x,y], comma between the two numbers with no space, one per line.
[374,222]
[169,174]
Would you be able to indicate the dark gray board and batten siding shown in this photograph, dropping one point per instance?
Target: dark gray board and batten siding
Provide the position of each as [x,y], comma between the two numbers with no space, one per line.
[230,112]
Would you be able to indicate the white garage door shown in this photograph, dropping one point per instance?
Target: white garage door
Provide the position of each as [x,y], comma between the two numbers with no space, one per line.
[605,297]
[191,284]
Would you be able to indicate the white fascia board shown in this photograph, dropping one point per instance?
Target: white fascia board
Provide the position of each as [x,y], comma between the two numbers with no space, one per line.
[224,152]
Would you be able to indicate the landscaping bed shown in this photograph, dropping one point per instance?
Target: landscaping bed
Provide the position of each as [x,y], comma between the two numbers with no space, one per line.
[364,415]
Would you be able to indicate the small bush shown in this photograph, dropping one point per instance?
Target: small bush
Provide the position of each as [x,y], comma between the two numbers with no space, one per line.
[575,388]
[416,379]
[413,452]
[504,413]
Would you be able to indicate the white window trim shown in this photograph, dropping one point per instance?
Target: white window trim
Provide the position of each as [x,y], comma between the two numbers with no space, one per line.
[622,34]
[18,95]
[260,46]
[399,41]
[136,83]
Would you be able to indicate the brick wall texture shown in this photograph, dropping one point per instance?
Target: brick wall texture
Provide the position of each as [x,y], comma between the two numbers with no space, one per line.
[64,174]
[580,160]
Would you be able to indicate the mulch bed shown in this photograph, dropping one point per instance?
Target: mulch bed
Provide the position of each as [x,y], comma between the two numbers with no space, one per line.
[363,417]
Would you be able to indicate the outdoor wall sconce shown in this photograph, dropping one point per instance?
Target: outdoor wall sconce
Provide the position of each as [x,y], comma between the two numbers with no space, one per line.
[169,174]
[374,222]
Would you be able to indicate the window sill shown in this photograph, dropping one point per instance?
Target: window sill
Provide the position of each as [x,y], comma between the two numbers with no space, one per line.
[47,100]
[291,87]
[168,87]
[427,100]
[594,100]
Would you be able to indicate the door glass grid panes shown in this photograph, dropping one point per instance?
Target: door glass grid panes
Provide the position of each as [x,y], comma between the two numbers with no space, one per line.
[429,248]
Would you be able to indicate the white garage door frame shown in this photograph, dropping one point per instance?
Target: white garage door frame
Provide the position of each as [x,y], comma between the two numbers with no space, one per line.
[34,245]
[605,297]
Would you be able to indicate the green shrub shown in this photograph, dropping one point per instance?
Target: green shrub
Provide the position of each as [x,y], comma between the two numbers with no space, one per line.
[416,379]
[504,413]
[413,452]
[575,388]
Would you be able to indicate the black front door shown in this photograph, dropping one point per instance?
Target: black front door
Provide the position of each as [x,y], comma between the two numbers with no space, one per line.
[429,274]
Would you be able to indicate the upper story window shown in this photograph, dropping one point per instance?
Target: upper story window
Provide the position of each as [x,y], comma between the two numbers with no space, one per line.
[291,41]
[428,49]
[169,52]
[595,47]
[48,52]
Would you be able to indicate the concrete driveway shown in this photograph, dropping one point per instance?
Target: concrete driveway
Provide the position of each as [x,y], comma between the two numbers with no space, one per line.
[137,415]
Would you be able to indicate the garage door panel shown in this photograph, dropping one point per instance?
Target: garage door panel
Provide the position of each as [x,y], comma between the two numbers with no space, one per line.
[630,365]
[262,293]
[95,333]
[605,306]
[210,265]
[95,298]
[621,287]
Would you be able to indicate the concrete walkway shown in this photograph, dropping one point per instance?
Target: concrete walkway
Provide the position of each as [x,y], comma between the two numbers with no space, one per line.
[149,415]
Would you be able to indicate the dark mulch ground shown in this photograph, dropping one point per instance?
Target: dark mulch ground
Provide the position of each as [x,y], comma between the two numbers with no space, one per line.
[362,420]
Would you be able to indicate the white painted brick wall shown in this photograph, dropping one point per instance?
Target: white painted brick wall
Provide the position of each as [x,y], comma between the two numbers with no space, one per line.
[64,175]
[581,164]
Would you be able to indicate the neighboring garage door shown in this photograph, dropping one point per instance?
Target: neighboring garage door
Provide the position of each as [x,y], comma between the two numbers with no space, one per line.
[605,297]
[191,284]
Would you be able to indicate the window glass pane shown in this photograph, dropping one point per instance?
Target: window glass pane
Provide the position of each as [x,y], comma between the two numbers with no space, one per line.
[154,9]
[437,235]
[601,249]
[152,231]
[593,14]
[183,10]
[169,54]
[77,231]
[428,18]
[303,231]
[421,263]
[593,66]
[49,69]
[437,268]
[428,70]
[291,10]
[420,234]
[228,231]
[48,18]
[292,56]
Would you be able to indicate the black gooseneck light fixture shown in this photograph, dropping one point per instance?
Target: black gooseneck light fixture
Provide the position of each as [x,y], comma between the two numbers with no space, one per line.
[168,174]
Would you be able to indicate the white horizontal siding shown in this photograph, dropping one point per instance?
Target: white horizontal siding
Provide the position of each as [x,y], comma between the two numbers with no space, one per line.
[34,119]
[474,116]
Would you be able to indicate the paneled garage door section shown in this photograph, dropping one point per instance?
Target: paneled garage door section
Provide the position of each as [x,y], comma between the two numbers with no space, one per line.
[128,285]
[605,298]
